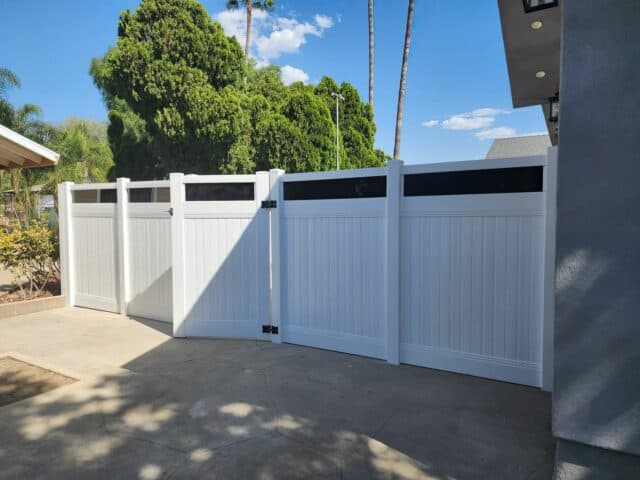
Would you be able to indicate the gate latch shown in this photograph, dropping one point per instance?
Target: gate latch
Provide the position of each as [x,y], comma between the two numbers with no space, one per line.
[268,204]
[272,329]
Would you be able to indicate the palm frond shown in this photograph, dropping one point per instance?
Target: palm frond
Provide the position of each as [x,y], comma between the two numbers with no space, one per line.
[8,79]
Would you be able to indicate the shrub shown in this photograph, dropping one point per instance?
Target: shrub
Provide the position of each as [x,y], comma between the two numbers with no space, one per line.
[31,255]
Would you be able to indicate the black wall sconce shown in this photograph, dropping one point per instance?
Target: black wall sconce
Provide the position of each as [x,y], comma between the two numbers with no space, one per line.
[554,108]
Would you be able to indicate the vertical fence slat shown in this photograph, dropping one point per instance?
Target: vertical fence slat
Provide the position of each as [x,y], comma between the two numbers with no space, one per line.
[65,221]
[177,252]
[275,187]
[261,231]
[122,231]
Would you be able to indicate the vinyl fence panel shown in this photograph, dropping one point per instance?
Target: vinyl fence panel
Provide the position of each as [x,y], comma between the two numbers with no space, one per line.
[95,250]
[472,275]
[150,289]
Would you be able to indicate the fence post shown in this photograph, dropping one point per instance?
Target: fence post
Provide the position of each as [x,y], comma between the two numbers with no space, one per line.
[262,217]
[549,285]
[65,224]
[275,311]
[123,244]
[176,181]
[392,260]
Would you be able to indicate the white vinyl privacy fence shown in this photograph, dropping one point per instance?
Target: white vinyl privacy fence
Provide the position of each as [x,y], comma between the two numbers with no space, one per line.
[446,266]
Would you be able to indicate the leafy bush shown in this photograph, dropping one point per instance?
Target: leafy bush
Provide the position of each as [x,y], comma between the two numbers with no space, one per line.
[31,255]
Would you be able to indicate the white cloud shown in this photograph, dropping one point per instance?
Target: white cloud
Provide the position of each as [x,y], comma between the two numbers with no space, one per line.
[462,122]
[323,21]
[288,36]
[473,120]
[479,119]
[493,133]
[272,36]
[291,74]
[487,112]
[234,22]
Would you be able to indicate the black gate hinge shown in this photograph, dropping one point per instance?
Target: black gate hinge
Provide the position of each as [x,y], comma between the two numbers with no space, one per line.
[272,329]
[269,204]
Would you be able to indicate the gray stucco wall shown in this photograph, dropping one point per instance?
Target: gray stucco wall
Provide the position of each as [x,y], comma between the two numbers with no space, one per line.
[596,398]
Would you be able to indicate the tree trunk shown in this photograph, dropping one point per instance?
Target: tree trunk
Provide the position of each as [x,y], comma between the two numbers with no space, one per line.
[371,50]
[247,40]
[403,81]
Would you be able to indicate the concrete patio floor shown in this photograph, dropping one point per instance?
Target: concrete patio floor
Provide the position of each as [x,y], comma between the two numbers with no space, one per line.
[148,406]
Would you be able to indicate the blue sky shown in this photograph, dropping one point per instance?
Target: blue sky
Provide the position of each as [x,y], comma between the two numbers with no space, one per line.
[457,99]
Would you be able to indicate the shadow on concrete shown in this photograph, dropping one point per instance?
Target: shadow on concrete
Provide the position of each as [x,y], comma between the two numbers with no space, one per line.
[230,409]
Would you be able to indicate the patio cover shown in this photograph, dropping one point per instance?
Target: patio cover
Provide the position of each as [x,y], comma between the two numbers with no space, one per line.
[17,151]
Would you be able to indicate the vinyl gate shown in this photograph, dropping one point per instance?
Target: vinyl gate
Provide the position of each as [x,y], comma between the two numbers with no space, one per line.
[448,266]
[149,292]
[221,240]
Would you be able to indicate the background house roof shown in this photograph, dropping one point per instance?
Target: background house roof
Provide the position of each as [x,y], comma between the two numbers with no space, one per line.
[519,146]
[17,151]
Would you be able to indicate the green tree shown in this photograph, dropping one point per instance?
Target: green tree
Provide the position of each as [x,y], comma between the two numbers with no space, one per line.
[84,151]
[8,80]
[173,84]
[176,70]
[357,128]
[26,121]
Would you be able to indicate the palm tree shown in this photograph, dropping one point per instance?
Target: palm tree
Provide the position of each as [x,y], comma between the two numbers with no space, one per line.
[403,81]
[250,5]
[8,79]
[371,54]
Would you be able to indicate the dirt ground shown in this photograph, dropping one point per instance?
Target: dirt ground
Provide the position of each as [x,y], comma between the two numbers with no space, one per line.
[9,292]
[20,380]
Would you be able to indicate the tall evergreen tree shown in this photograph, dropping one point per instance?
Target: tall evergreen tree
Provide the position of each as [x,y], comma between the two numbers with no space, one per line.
[174,87]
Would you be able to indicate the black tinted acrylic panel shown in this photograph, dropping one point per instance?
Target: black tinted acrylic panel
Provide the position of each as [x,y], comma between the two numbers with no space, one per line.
[474,182]
[218,192]
[359,187]
[140,195]
[108,196]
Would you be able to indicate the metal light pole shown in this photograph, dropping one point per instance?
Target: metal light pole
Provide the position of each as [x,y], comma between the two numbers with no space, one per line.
[338,97]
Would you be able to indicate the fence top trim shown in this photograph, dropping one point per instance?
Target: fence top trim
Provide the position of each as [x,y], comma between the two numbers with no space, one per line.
[219,178]
[149,184]
[93,186]
[335,174]
[481,164]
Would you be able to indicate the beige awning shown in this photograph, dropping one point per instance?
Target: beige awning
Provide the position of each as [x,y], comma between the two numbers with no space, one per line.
[17,151]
